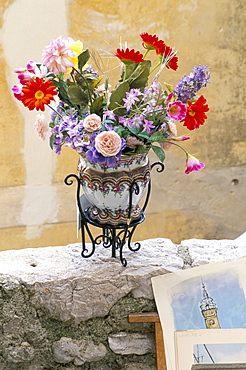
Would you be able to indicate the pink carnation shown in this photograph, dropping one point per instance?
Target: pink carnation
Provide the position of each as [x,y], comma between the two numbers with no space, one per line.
[41,126]
[92,123]
[176,110]
[108,143]
[193,164]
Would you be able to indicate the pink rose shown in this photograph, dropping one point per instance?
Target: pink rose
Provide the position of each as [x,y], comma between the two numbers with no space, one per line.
[41,126]
[92,123]
[108,143]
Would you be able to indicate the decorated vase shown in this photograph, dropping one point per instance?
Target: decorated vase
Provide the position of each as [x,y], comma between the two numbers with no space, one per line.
[108,189]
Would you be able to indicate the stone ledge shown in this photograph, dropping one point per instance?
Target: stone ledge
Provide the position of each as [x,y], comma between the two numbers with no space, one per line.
[59,309]
[65,283]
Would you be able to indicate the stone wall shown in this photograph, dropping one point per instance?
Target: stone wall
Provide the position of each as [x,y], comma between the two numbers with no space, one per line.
[37,209]
[60,311]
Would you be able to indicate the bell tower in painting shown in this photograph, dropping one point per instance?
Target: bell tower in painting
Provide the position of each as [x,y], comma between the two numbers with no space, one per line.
[209,310]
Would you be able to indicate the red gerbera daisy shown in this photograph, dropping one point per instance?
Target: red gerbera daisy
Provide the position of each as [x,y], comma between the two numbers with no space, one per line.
[195,115]
[150,42]
[129,56]
[167,56]
[37,93]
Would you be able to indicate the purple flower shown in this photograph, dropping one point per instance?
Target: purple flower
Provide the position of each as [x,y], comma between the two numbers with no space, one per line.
[126,121]
[189,85]
[110,115]
[147,126]
[131,98]
[57,148]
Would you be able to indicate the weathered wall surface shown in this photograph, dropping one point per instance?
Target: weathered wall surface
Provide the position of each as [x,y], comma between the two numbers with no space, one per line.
[60,311]
[37,209]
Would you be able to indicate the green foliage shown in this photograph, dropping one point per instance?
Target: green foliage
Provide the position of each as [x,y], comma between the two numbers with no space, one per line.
[62,87]
[83,59]
[158,137]
[116,103]
[77,95]
[122,131]
[159,152]
[52,139]
[138,77]
[97,106]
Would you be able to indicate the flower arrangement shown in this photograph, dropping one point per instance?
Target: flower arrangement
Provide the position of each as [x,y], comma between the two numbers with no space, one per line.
[101,123]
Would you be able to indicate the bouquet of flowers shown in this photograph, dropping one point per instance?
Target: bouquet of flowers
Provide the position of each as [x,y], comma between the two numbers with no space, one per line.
[101,123]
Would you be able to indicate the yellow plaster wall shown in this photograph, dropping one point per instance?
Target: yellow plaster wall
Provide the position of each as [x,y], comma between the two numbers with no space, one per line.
[37,209]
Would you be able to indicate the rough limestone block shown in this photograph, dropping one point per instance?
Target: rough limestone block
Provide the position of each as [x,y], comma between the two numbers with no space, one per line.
[77,351]
[126,344]
[72,287]
[22,353]
[198,252]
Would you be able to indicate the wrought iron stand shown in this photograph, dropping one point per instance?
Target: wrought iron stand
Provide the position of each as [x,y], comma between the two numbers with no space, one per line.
[114,236]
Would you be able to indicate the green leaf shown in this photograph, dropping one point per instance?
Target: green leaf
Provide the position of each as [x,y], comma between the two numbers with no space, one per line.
[135,130]
[52,124]
[108,121]
[141,149]
[52,139]
[130,68]
[62,88]
[116,98]
[158,137]
[159,152]
[139,77]
[97,105]
[122,132]
[77,95]
[83,58]
[144,135]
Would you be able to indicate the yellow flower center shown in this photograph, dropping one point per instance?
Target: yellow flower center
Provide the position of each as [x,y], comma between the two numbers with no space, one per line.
[39,94]
[173,109]
[192,113]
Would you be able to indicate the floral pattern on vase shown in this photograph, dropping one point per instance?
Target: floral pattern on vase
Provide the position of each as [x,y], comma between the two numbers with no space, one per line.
[107,189]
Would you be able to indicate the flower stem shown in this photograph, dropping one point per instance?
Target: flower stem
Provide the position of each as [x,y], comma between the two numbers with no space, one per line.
[179,147]
[145,54]
[153,69]
[87,85]
[54,110]
[124,77]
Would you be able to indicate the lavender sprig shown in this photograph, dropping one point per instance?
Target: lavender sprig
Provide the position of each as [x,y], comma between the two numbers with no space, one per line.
[189,85]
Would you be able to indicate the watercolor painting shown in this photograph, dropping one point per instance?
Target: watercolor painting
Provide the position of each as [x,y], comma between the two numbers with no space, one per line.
[196,300]
[210,297]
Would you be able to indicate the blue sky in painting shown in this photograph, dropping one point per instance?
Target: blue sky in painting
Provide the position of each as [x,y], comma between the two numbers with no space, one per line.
[220,353]
[224,287]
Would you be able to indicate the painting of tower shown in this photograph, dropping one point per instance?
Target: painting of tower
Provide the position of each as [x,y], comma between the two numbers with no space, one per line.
[209,310]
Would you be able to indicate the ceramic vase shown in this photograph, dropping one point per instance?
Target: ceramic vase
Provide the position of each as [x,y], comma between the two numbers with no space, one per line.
[107,188]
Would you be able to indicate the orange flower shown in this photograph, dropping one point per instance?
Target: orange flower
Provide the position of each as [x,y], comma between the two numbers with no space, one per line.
[167,56]
[150,42]
[37,93]
[195,115]
[129,56]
